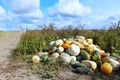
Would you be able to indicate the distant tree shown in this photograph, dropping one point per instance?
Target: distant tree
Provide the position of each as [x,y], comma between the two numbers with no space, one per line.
[42,27]
[80,27]
[103,28]
[68,27]
[118,26]
[113,26]
[51,26]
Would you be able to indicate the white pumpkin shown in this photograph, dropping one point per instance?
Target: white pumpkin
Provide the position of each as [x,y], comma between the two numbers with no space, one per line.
[80,37]
[35,59]
[60,49]
[55,55]
[65,58]
[73,58]
[64,39]
[42,53]
[85,43]
[78,44]
[59,42]
[115,64]
[90,64]
[73,50]
[52,43]
[90,41]
[94,46]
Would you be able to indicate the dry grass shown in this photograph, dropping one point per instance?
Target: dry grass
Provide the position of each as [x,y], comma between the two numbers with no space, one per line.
[5,33]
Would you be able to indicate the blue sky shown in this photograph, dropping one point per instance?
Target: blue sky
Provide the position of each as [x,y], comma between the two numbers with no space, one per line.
[93,14]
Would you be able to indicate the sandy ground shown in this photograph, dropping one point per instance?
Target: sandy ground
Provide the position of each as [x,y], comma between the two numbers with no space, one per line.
[12,70]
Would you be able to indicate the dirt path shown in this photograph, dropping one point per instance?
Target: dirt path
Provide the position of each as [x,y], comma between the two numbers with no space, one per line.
[12,70]
[7,43]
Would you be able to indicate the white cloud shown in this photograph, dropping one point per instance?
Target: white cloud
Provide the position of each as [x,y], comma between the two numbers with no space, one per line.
[2,14]
[24,5]
[33,15]
[69,8]
[26,8]
[16,13]
[101,23]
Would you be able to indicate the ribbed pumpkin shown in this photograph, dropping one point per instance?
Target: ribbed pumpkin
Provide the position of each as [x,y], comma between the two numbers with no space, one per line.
[80,37]
[59,42]
[90,49]
[60,49]
[90,64]
[78,44]
[68,42]
[95,55]
[85,55]
[102,53]
[52,43]
[64,58]
[73,50]
[106,68]
[35,59]
[65,46]
[55,55]
[105,59]
[85,43]
[115,64]
[73,58]
[40,53]
[90,41]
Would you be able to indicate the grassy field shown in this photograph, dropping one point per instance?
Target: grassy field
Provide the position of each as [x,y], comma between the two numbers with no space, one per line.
[34,41]
[5,33]
[2,33]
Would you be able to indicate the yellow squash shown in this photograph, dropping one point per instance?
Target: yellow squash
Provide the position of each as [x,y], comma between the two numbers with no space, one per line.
[106,68]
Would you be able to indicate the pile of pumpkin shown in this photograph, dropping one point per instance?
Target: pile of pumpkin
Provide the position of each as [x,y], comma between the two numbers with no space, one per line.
[81,54]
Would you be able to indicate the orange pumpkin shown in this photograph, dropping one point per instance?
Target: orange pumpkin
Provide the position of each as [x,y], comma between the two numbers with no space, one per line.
[68,42]
[106,68]
[102,53]
[65,46]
